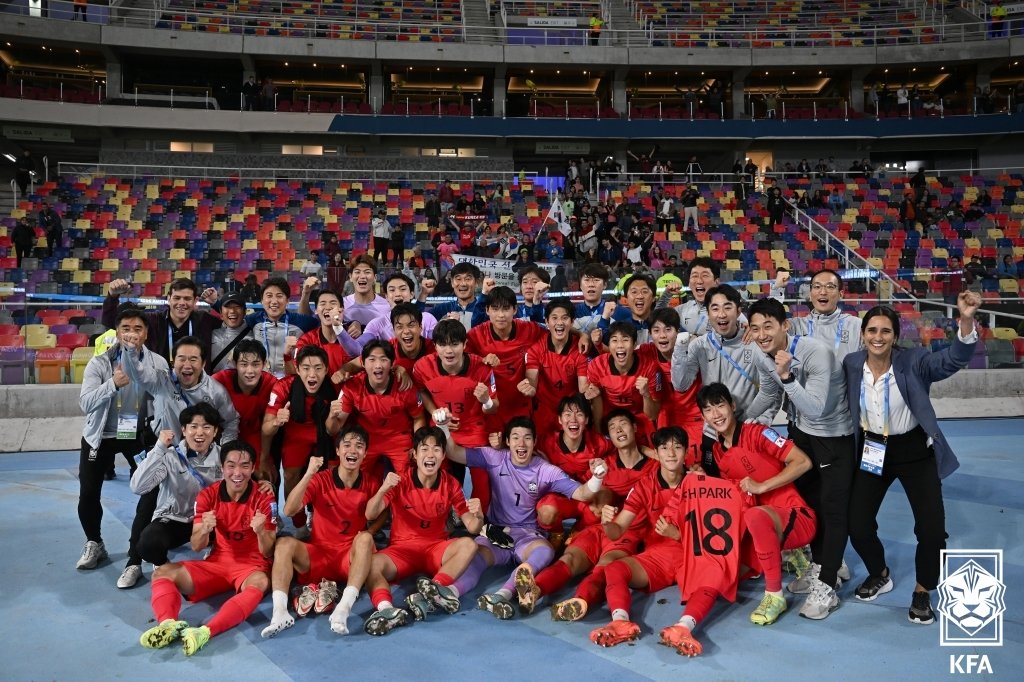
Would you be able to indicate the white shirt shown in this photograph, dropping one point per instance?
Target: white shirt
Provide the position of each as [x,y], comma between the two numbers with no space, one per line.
[381,228]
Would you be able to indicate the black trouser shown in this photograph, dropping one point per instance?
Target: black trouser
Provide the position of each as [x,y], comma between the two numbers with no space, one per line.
[917,472]
[397,249]
[144,510]
[92,464]
[53,239]
[380,249]
[826,487]
[158,538]
[22,252]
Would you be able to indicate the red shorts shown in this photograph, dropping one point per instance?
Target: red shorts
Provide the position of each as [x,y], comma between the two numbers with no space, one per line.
[330,562]
[400,462]
[661,562]
[799,525]
[569,509]
[594,543]
[214,577]
[416,557]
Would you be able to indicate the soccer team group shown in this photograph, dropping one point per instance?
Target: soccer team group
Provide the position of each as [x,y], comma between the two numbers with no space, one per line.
[628,444]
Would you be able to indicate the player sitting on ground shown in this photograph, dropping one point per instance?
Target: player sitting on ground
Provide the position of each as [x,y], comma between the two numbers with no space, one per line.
[654,568]
[240,515]
[339,548]
[420,501]
[518,481]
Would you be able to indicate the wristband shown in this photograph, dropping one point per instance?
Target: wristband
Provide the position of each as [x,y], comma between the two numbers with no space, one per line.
[489,404]
[594,485]
[790,379]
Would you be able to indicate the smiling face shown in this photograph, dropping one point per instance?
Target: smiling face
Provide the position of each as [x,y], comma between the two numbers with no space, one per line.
[672,455]
[330,310]
[573,422]
[769,334]
[363,279]
[621,432]
[428,455]
[249,369]
[311,372]
[451,355]
[501,318]
[520,445]
[701,280]
[878,336]
[664,337]
[275,303]
[133,326]
[182,304]
[188,365]
[720,416]
[825,293]
[378,368]
[408,332]
[464,286]
[351,452]
[724,315]
[397,291]
[620,346]
[233,315]
[238,468]
[199,435]
[559,325]
[640,298]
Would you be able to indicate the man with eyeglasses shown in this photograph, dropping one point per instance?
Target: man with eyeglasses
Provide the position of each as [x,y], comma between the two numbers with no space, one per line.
[838,330]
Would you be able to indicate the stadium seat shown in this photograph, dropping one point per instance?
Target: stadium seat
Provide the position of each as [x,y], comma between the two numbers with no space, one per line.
[79,359]
[51,365]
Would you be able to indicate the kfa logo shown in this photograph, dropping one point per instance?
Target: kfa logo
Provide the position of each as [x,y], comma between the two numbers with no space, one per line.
[971,598]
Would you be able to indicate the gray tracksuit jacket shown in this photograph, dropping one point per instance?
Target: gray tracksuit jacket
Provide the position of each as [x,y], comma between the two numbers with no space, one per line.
[178,487]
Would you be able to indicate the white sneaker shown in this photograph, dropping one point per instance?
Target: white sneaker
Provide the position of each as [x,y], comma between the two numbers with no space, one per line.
[821,601]
[803,583]
[844,572]
[129,576]
[92,554]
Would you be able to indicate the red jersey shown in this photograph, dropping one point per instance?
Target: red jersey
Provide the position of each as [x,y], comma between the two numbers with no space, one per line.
[336,355]
[387,416]
[759,452]
[575,463]
[235,541]
[406,362]
[620,478]
[558,373]
[619,389]
[250,406]
[420,514]
[511,369]
[709,515]
[677,409]
[299,438]
[649,499]
[340,510]
[455,391]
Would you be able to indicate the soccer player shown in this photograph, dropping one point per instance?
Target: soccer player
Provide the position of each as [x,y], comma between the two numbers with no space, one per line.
[364,304]
[619,378]
[593,280]
[820,424]
[339,548]
[518,481]
[249,385]
[298,407]
[639,291]
[677,408]
[502,343]
[555,367]
[468,306]
[648,506]
[240,516]
[331,336]
[704,276]
[408,341]
[420,501]
[764,465]
[380,407]
[534,282]
[398,289]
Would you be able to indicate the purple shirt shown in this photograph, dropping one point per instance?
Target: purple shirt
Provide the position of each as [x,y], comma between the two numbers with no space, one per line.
[381,328]
[364,313]
[516,490]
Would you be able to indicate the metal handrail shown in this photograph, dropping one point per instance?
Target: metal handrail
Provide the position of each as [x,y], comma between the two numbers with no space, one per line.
[497,174]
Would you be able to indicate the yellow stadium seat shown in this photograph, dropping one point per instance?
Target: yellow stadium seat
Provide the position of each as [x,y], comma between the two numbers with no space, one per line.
[111,264]
[34,330]
[36,342]
[182,274]
[1009,286]
[733,264]
[69,264]
[142,276]
[177,254]
[1005,333]
[972,243]
[140,254]
[81,277]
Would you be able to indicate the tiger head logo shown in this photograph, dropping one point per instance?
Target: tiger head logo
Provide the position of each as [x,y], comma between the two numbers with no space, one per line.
[971,597]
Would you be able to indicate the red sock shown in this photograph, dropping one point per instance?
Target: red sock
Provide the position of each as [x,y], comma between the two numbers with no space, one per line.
[617,574]
[554,577]
[166,600]
[766,545]
[699,605]
[591,588]
[481,486]
[235,610]
[443,579]
[379,595]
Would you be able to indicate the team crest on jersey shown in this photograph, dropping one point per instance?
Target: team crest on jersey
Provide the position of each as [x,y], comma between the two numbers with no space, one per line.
[439,508]
[774,436]
[532,487]
[748,354]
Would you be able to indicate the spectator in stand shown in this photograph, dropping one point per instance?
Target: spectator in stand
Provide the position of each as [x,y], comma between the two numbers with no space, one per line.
[433,211]
[975,271]
[804,169]
[312,267]
[597,23]
[918,183]
[24,238]
[381,230]
[269,100]
[908,212]
[689,200]
[50,221]
[656,258]
[81,7]
[1007,269]
[776,206]
[445,253]
[997,19]
[397,245]
[559,282]
[251,289]
[251,93]
[337,272]
[496,201]
[446,196]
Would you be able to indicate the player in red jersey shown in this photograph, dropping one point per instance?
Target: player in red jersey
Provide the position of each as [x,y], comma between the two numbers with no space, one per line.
[249,386]
[502,343]
[409,343]
[381,407]
[555,367]
[420,501]
[339,549]
[677,408]
[298,407]
[240,515]
[648,503]
[331,336]
[619,378]
[452,378]
[764,465]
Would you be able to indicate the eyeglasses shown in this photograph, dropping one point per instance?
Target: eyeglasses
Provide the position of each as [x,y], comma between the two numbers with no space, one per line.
[831,286]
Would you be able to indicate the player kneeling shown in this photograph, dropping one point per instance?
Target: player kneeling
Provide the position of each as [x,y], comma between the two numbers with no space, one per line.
[339,548]
[420,501]
[240,515]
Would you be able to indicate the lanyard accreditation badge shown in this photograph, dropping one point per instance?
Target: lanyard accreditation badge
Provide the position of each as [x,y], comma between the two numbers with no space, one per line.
[127,422]
[873,457]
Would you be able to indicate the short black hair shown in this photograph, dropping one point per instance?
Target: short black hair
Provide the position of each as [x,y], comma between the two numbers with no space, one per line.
[205,410]
[667,316]
[312,351]
[130,311]
[518,423]
[249,347]
[540,272]
[327,291]
[670,434]
[276,282]
[389,350]
[769,307]
[648,281]
[465,268]
[237,445]
[449,333]
[623,327]
[576,400]
[709,263]
[502,298]
[353,428]
[832,272]
[726,290]
[617,412]
[181,284]
[425,432]
[595,270]
[563,303]
[406,309]
[189,341]
[402,276]
[714,394]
